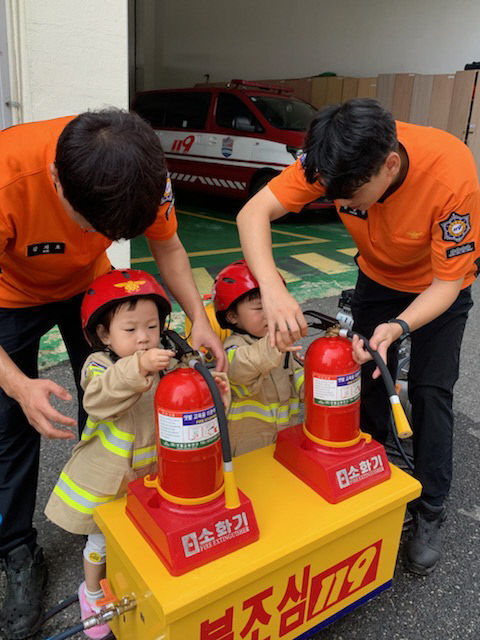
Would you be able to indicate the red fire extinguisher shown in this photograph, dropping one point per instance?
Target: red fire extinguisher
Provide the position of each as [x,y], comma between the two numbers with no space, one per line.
[188,439]
[332,393]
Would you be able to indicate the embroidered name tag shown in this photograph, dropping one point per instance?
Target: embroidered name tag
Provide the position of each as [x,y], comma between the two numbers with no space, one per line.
[458,251]
[44,248]
[358,213]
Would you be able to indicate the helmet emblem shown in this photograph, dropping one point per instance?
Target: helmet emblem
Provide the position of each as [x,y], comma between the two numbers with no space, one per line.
[131,285]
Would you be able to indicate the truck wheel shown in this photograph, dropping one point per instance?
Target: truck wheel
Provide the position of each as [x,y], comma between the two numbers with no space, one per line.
[260,181]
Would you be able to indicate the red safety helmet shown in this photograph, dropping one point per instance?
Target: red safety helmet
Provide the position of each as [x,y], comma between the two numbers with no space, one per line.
[231,284]
[118,285]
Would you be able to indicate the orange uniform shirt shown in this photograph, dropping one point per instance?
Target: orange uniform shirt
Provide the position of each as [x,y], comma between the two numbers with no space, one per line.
[429,227]
[44,255]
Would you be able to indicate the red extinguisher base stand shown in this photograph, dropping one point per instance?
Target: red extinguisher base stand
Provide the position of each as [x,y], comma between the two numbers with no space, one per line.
[188,536]
[336,473]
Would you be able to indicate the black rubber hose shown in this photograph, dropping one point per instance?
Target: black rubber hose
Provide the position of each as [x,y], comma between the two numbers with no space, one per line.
[67,633]
[222,418]
[59,607]
[387,378]
[407,459]
[390,387]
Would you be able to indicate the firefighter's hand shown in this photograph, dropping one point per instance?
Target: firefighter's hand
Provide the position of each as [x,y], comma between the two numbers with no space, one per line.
[154,360]
[34,398]
[224,387]
[204,336]
[286,323]
[383,336]
[284,347]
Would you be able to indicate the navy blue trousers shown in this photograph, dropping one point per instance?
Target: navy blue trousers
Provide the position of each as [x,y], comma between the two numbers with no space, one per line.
[20,333]
[434,369]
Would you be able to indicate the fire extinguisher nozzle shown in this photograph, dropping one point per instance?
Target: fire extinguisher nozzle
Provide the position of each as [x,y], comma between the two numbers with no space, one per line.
[232,501]
[401,423]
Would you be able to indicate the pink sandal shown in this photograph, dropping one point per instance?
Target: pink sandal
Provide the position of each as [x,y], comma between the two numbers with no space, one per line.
[98,632]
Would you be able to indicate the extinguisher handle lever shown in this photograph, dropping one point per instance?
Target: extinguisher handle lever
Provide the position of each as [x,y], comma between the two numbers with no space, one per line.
[171,340]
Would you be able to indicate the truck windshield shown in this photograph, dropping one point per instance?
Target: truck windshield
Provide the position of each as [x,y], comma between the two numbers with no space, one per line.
[285,113]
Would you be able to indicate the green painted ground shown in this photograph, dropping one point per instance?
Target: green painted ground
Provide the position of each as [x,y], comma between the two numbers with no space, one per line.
[313,251]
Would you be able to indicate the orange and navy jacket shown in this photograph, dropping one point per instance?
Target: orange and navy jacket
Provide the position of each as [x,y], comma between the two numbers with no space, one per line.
[429,227]
[44,255]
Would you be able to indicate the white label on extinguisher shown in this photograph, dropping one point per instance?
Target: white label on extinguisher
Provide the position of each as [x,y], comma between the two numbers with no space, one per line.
[336,391]
[188,430]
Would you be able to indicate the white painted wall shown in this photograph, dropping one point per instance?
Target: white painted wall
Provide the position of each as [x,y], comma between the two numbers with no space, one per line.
[67,56]
[279,38]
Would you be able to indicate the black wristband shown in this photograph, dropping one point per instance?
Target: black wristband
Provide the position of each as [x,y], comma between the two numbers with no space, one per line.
[405,328]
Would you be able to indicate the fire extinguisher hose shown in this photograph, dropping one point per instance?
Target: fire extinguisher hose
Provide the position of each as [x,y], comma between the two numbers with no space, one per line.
[231,492]
[401,422]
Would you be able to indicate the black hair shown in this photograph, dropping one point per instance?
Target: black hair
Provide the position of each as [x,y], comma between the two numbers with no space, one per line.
[253,294]
[106,314]
[112,170]
[346,145]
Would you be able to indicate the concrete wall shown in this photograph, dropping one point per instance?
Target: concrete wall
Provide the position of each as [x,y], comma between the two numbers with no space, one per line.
[67,56]
[183,39]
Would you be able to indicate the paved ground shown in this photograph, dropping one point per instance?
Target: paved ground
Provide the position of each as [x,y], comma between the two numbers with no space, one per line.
[441,607]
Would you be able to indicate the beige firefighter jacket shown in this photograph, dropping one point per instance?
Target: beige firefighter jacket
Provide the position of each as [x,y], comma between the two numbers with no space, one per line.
[266,386]
[117,445]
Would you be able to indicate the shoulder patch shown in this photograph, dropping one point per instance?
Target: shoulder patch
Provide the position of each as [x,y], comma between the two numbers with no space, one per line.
[168,196]
[455,227]
[94,368]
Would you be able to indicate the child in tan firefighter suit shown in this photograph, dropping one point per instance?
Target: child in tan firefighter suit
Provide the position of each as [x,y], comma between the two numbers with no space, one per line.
[123,313]
[266,382]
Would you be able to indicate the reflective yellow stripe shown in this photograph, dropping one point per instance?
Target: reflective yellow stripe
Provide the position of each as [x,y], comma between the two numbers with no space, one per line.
[240,389]
[144,456]
[118,442]
[74,505]
[231,353]
[272,413]
[94,369]
[298,377]
[76,497]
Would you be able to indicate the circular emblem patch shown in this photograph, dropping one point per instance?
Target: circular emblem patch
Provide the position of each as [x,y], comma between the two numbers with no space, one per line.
[456,227]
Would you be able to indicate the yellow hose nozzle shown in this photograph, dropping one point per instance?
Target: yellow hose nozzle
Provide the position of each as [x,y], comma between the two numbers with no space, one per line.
[401,422]
[232,501]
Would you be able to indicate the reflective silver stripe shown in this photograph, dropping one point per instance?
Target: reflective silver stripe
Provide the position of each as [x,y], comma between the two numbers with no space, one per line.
[118,442]
[76,497]
[144,456]
[272,413]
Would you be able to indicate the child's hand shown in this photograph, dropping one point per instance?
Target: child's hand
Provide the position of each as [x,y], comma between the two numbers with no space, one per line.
[224,387]
[155,360]
[285,346]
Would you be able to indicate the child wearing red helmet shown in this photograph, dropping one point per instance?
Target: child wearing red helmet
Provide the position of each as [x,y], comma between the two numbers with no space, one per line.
[266,382]
[123,314]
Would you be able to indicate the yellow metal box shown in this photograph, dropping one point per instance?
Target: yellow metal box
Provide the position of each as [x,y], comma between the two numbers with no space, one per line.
[314,562]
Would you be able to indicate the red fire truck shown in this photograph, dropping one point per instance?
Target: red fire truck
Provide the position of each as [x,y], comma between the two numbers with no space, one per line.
[228,139]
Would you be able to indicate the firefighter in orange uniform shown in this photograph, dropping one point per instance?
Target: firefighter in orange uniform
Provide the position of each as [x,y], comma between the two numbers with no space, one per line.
[68,187]
[410,198]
